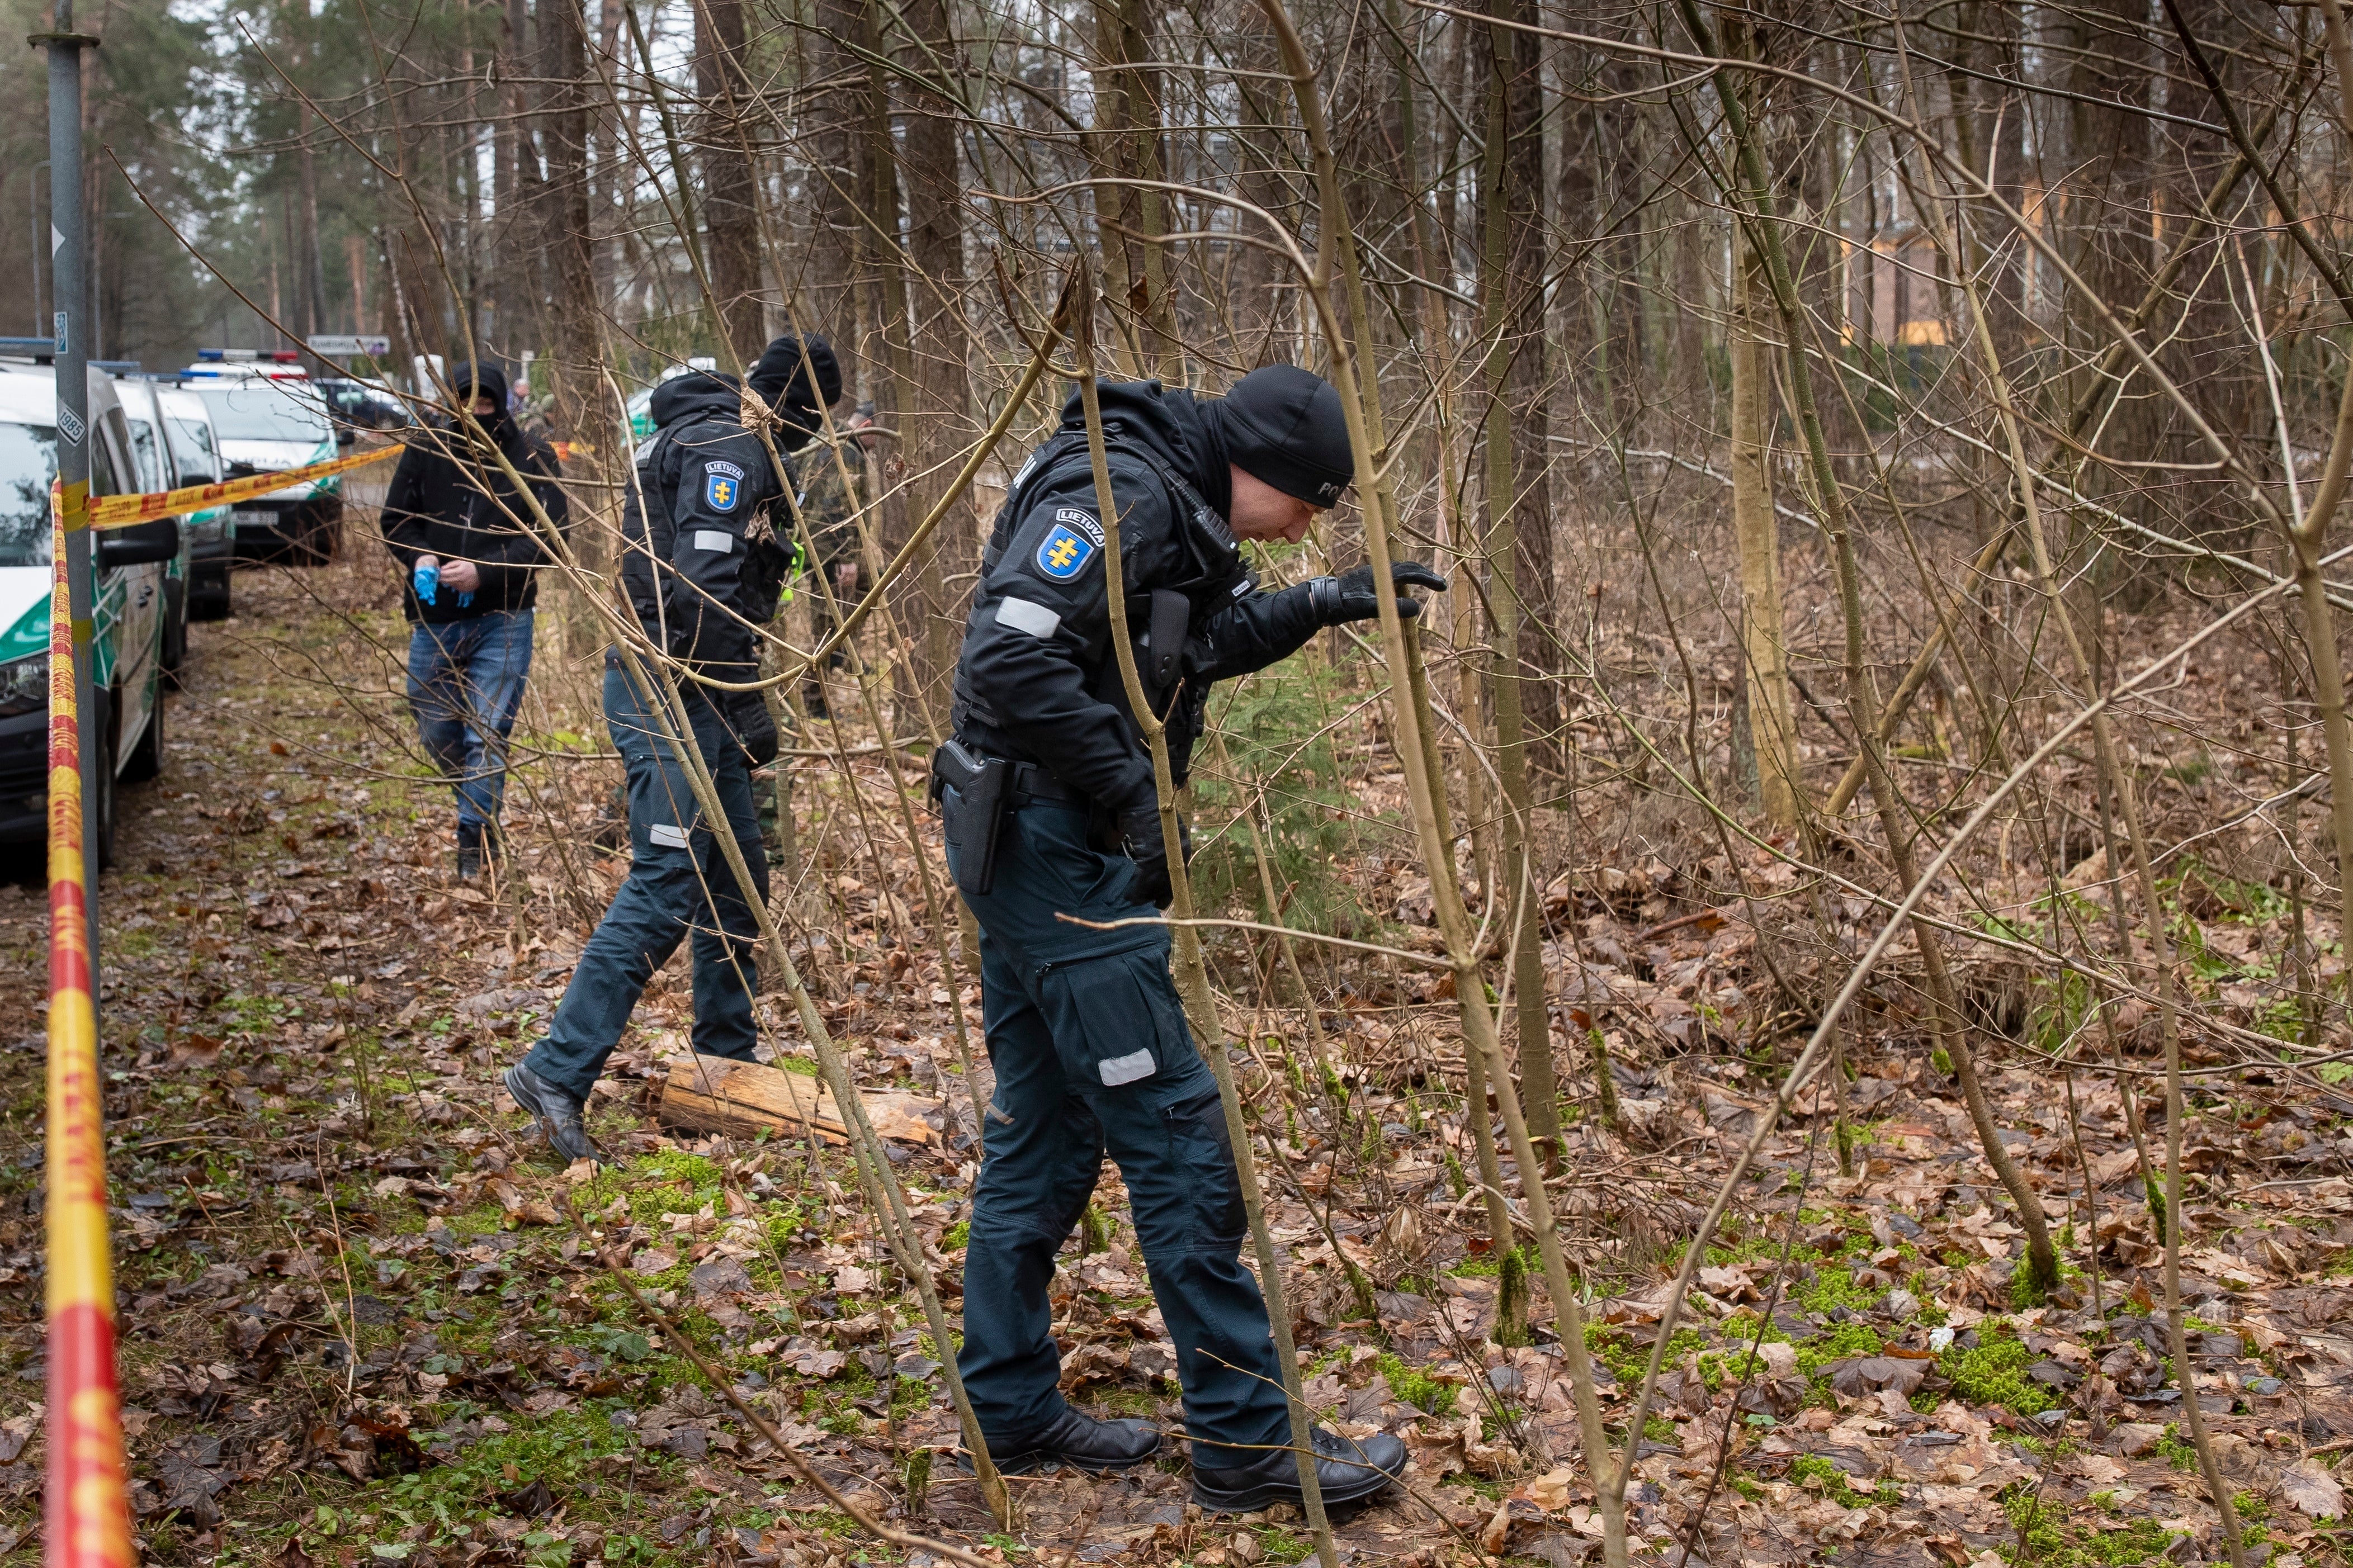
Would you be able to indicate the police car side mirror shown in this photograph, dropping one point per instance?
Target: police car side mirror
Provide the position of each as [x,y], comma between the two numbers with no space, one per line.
[345,436]
[139,544]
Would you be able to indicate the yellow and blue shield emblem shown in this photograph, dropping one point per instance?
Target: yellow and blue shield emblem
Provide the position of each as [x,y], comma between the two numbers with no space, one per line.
[1064,552]
[721,491]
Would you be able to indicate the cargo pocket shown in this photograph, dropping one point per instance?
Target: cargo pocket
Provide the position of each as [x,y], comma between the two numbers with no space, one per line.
[1115,1019]
[1197,1143]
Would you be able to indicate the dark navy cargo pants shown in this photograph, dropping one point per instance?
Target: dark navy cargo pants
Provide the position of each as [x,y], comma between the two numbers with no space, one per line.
[1094,1057]
[679,883]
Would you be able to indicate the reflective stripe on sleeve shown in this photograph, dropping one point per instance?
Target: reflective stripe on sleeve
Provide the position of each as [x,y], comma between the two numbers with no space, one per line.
[718,540]
[668,834]
[1024,616]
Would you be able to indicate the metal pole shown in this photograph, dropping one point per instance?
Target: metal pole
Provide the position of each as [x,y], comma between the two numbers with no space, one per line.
[32,243]
[68,245]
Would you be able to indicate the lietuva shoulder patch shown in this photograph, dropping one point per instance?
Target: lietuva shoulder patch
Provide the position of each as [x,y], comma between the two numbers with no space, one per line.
[1073,541]
[723,486]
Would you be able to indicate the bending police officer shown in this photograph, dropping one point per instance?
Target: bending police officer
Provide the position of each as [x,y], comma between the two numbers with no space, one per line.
[704,565]
[1050,807]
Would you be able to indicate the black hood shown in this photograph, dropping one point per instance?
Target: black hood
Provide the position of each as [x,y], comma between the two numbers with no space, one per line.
[467,381]
[1168,420]
[783,382]
[697,394]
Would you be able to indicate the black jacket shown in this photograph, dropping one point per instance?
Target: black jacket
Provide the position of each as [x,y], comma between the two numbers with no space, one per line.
[1039,680]
[448,499]
[699,554]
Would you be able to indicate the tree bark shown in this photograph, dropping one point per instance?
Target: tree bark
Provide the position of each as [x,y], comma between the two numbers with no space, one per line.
[731,219]
[583,407]
[829,136]
[1772,720]
[1125,146]
[1515,323]
[940,423]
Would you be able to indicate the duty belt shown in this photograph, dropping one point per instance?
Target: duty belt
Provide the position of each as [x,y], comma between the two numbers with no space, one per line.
[1026,784]
[986,788]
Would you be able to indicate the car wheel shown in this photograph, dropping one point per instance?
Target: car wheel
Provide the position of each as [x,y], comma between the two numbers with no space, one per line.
[146,759]
[208,600]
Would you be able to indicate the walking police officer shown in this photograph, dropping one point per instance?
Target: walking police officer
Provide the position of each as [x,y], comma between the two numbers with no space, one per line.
[704,565]
[1050,807]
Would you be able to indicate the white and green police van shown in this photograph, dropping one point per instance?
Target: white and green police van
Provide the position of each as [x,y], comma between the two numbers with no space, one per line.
[130,604]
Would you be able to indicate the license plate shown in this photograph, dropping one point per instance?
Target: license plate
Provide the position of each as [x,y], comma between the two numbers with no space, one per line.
[244,518]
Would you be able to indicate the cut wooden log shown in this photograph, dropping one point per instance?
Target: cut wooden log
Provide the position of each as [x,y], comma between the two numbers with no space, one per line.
[713,1094]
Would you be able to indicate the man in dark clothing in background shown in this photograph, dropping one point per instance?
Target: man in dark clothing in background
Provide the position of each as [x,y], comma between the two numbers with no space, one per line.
[703,566]
[1051,810]
[469,549]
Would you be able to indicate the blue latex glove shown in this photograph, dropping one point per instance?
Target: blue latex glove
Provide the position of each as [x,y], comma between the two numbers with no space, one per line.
[428,580]
[466,600]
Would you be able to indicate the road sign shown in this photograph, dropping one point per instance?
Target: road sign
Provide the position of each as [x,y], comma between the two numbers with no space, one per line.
[345,347]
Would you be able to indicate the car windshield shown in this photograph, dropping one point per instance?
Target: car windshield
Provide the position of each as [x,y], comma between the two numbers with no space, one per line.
[192,444]
[28,462]
[261,410]
[147,455]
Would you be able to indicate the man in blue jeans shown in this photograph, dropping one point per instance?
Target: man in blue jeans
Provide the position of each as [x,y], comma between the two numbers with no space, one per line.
[703,566]
[469,549]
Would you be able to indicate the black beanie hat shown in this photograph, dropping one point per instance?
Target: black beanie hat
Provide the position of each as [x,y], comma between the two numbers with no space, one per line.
[783,382]
[1285,425]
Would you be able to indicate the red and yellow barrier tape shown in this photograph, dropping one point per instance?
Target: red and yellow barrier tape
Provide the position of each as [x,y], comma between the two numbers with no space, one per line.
[86,1518]
[121,511]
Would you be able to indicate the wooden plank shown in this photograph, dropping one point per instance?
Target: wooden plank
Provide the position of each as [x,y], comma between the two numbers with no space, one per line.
[713,1094]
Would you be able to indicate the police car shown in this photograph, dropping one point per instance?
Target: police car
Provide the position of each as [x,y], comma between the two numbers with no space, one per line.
[163,460]
[268,417]
[128,606]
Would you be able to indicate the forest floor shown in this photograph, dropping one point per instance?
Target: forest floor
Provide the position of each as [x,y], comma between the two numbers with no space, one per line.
[359,1321]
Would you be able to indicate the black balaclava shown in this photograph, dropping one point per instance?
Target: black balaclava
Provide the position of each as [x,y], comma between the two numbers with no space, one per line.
[468,381]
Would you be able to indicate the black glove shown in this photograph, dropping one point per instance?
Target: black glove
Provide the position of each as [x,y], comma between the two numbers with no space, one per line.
[1140,836]
[1350,596]
[754,726]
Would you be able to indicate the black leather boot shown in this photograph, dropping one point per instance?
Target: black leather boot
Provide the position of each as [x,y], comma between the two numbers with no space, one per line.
[1347,1469]
[1079,1439]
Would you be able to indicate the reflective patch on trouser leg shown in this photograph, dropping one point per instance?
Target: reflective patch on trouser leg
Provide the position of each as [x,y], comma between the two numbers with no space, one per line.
[1128,1068]
[667,834]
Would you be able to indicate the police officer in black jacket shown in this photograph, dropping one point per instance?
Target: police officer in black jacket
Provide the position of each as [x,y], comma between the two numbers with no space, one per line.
[705,552]
[1048,797]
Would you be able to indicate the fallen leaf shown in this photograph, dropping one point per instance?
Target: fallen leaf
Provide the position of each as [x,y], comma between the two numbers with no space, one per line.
[1498,1530]
[1549,1491]
[2315,1492]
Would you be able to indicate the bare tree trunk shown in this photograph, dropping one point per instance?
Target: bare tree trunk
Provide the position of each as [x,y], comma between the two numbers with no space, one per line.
[1514,305]
[940,423]
[731,220]
[583,407]
[1772,721]
[1125,146]
[829,136]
